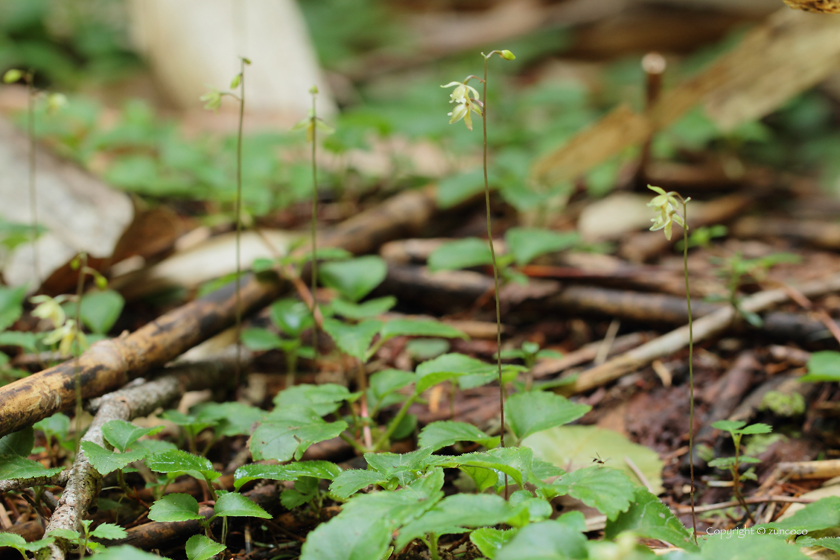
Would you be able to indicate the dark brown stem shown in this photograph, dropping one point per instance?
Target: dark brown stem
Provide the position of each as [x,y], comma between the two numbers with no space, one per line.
[690,370]
[33,199]
[314,232]
[495,274]
[77,350]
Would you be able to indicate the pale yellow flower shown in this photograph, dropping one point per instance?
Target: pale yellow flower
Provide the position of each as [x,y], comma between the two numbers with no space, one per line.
[66,335]
[668,205]
[50,309]
[468,102]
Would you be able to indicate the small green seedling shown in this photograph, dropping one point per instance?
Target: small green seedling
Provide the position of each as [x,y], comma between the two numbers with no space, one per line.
[291,318]
[738,429]
[529,353]
[18,543]
[82,541]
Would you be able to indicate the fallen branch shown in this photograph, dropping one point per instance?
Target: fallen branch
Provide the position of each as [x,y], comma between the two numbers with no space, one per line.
[706,327]
[59,479]
[110,364]
[84,481]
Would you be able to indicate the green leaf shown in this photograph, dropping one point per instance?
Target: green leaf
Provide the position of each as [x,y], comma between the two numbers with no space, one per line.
[649,518]
[490,541]
[122,434]
[353,340]
[100,310]
[230,418]
[14,467]
[756,429]
[56,425]
[292,471]
[513,461]
[384,383]
[351,481]
[347,538]
[464,253]
[410,327]
[175,463]
[126,552]
[237,505]
[831,543]
[443,434]
[574,447]
[186,421]
[822,366]
[260,340]
[454,514]
[13,540]
[290,316]
[608,490]
[66,534]
[459,187]
[731,426]
[199,547]
[452,366]
[105,461]
[322,399]
[26,340]
[354,278]
[366,310]
[749,547]
[526,244]
[174,507]
[109,531]
[535,509]
[11,306]
[18,443]
[820,515]
[285,440]
[532,412]
[548,540]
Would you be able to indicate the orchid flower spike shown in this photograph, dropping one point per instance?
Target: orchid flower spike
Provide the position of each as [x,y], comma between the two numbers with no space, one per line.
[668,205]
[468,102]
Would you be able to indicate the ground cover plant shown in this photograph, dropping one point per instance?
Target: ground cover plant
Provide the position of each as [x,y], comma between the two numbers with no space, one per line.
[531,349]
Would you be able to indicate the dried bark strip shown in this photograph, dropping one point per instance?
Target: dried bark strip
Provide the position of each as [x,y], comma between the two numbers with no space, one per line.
[706,327]
[59,479]
[108,365]
[84,481]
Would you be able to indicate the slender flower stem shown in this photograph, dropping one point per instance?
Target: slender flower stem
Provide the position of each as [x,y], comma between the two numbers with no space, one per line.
[395,422]
[314,230]
[690,370]
[33,199]
[238,212]
[495,273]
[77,350]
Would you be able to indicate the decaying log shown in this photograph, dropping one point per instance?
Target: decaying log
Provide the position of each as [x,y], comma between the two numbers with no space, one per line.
[110,364]
[84,481]
[809,470]
[706,327]
[787,54]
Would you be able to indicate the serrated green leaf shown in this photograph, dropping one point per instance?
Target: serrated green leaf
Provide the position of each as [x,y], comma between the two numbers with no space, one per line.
[126,552]
[607,490]
[66,534]
[410,327]
[831,543]
[105,461]
[537,509]
[109,531]
[177,462]
[731,426]
[199,547]
[260,340]
[513,461]
[237,505]
[526,244]
[230,418]
[284,440]
[292,471]
[532,412]
[753,429]
[353,340]
[18,443]
[173,508]
[122,434]
[649,518]
[463,253]
[100,310]
[367,310]
[548,540]
[323,399]
[455,514]
[354,278]
[384,383]
[12,540]
[490,541]
[443,434]
[351,481]
[446,367]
